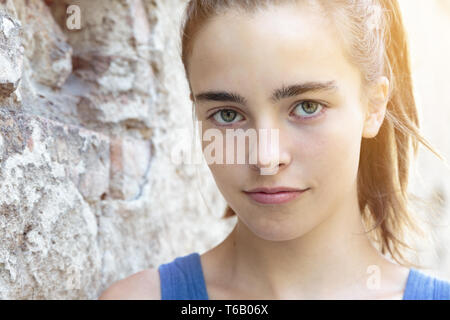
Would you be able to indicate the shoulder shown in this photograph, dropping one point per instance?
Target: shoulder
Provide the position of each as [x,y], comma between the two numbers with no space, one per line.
[428,287]
[441,289]
[143,285]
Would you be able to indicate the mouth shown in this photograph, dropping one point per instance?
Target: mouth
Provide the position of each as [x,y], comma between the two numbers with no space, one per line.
[277,195]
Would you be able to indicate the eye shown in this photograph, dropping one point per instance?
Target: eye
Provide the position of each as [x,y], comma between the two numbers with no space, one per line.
[308,109]
[227,115]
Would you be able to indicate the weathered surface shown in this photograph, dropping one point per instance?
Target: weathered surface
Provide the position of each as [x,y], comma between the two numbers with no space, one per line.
[11,55]
[46,47]
[88,190]
[49,231]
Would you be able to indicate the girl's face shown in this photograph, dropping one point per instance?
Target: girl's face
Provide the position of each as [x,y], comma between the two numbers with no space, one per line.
[319,141]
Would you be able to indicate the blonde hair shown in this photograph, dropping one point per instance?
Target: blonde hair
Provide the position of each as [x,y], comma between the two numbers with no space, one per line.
[376,42]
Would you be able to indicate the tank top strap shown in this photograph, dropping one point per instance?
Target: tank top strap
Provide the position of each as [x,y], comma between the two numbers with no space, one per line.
[421,286]
[183,279]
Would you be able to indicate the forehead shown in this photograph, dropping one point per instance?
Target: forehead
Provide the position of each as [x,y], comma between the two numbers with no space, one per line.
[280,44]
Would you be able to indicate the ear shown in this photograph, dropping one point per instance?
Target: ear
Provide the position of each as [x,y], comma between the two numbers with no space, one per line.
[191,97]
[376,111]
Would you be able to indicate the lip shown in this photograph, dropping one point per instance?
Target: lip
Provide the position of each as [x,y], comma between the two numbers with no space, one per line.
[274,189]
[276,195]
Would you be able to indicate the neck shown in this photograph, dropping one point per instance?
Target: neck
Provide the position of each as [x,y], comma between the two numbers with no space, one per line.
[332,258]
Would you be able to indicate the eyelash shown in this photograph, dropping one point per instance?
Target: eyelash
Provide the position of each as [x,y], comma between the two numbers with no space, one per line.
[322,110]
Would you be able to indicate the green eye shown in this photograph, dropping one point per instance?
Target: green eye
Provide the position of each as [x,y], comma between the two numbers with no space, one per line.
[308,109]
[227,115]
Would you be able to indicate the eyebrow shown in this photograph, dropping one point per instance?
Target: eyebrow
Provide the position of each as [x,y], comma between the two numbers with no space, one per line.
[277,95]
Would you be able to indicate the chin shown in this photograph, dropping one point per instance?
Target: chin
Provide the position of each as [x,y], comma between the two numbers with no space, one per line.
[277,236]
[276,230]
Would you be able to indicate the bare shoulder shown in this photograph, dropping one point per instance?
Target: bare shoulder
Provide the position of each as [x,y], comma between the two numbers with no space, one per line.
[143,285]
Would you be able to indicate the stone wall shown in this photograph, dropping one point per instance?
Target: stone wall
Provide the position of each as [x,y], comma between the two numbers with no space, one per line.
[88,119]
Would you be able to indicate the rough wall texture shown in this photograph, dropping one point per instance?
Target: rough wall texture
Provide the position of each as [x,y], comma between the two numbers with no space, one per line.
[88,119]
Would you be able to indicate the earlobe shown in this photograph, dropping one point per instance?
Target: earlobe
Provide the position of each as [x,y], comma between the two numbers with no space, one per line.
[377,108]
[373,124]
[191,97]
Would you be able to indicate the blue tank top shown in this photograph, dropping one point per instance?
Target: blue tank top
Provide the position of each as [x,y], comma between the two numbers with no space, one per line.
[183,279]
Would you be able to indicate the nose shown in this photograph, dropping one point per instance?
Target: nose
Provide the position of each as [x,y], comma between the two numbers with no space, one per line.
[267,154]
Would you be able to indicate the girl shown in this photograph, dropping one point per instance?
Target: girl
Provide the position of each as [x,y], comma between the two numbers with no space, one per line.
[333,79]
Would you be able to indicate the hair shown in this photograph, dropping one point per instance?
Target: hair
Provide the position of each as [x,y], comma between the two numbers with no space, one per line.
[376,42]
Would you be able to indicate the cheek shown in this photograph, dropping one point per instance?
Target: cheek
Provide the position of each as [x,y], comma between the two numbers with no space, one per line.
[330,151]
[227,178]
